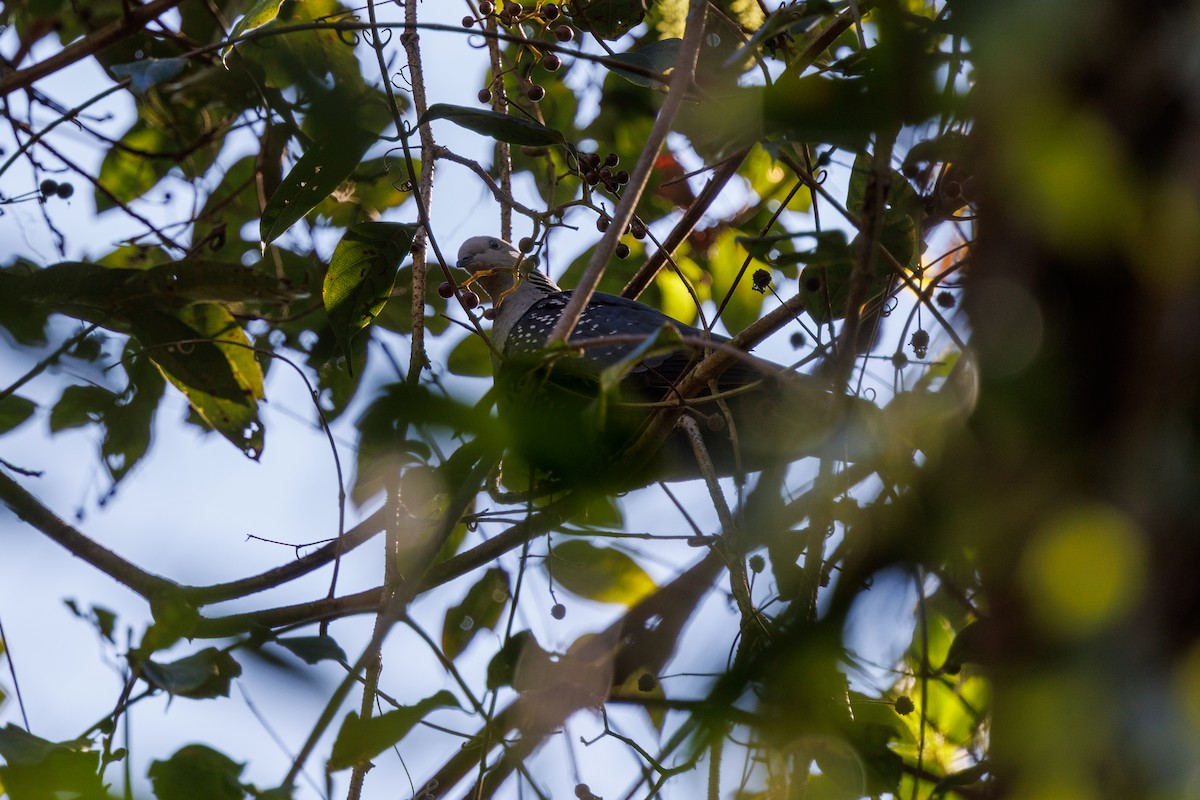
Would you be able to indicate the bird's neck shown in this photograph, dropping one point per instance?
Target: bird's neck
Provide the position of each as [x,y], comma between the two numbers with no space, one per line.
[512,301]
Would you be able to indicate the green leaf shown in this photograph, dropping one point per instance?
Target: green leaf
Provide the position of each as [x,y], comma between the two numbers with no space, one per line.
[659,56]
[205,354]
[319,171]
[470,358]
[360,740]
[205,674]
[501,127]
[361,275]
[195,772]
[502,668]
[609,19]
[36,768]
[184,353]
[14,410]
[745,304]
[259,14]
[598,573]
[479,611]
[125,172]
[313,648]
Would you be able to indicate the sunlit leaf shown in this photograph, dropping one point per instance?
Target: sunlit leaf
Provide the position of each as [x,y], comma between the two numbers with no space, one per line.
[259,14]
[360,740]
[501,127]
[598,573]
[204,352]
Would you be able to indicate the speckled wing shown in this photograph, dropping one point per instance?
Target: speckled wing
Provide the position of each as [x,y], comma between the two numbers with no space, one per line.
[608,316]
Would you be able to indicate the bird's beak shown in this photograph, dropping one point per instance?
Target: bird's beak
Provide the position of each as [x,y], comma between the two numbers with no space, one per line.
[464,262]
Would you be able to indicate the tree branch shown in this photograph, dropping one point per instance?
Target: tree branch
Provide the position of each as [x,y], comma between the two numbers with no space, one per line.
[681,83]
[28,508]
[90,45]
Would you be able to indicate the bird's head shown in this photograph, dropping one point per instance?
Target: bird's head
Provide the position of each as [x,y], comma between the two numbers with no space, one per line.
[493,264]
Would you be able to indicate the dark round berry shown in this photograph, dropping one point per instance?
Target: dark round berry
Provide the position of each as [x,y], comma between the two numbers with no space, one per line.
[611,160]
[526,245]
[762,280]
[797,340]
[558,611]
[611,184]
[468,22]
[549,12]
[535,93]
[489,313]
[903,705]
[48,187]
[622,250]
[647,682]
[65,190]
[757,564]
[486,8]
[638,229]
[621,176]
[470,300]
[582,791]
[551,62]
[564,33]
[920,342]
[899,360]
[516,9]
[485,96]
[944,299]
[602,223]
[445,290]
[591,178]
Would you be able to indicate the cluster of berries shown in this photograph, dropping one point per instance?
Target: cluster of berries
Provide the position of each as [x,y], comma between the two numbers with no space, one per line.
[512,14]
[51,188]
[594,170]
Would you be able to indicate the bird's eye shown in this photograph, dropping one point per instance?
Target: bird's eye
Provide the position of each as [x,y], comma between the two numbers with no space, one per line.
[495,245]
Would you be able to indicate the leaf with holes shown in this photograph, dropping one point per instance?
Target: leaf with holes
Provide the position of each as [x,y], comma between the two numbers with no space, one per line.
[319,171]
[501,127]
[361,275]
[598,573]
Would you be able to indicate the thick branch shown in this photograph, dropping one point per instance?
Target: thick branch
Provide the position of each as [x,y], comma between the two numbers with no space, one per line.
[90,45]
[28,508]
